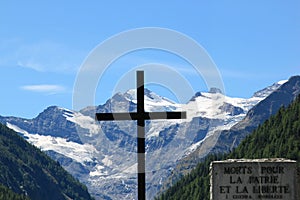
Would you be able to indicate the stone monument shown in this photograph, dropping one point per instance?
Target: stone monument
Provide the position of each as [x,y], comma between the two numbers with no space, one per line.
[254,179]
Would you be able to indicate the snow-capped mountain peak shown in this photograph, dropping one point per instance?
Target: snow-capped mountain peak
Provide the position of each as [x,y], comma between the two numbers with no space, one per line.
[268,90]
[103,154]
[127,102]
[150,96]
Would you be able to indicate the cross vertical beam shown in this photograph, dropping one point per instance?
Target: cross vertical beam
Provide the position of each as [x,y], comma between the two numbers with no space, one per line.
[141,169]
[140,115]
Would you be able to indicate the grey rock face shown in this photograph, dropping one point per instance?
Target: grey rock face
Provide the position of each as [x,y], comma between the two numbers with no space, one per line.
[103,154]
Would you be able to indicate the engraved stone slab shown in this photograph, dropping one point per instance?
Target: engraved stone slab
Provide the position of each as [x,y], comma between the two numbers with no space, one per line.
[254,179]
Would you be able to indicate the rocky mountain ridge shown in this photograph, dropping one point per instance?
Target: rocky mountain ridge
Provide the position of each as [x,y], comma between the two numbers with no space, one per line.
[227,140]
[102,154]
[27,171]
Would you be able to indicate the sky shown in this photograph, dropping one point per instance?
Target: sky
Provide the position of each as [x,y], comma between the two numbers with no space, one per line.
[43,45]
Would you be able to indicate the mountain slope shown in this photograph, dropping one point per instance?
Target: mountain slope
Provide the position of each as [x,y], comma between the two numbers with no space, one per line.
[283,96]
[222,141]
[28,171]
[279,136]
[103,154]
[7,194]
[226,140]
[49,122]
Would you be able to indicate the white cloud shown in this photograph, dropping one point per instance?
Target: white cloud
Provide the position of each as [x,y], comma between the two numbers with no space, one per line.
[31,65]
[41,56]
[44,88]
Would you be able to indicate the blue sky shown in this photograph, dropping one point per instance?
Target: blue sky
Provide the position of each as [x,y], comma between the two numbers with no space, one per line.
[43,44]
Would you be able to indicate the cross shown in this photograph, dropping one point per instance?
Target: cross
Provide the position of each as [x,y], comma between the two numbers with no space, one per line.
[140,116]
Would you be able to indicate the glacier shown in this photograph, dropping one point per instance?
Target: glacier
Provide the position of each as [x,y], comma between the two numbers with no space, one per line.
[105,159]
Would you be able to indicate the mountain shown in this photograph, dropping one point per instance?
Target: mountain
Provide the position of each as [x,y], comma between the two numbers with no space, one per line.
[8,194]
[277,137]
[103,154]
[222,141]
[50,122]
[283,96]
[27,171]
[273,97]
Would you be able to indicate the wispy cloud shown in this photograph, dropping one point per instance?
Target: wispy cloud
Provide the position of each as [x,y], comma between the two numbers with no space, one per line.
[228,73]
[49,56]
[245,74]
[32,65]
[42,56]
[44,88]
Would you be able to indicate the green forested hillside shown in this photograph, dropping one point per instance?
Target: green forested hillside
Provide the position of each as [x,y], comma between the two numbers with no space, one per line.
[279,136]
[7,194]
[27,171]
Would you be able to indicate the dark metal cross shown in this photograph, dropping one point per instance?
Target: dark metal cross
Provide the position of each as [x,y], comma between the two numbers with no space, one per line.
[140,115]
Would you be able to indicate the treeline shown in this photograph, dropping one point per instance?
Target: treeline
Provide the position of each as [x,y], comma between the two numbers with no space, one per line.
[194,185]
[278,137]
[7,194]
[27,171]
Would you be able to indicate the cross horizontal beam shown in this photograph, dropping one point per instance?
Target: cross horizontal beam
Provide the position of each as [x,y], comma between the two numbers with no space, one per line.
[140,116]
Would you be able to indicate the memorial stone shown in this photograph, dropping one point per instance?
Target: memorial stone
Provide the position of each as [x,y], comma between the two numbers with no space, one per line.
[254,179]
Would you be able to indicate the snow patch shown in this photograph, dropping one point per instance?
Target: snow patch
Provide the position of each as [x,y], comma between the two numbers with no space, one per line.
[107,161]
[98,171]
[282,82]
[210,133]
[131,170]
[79,152]
[83,121]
